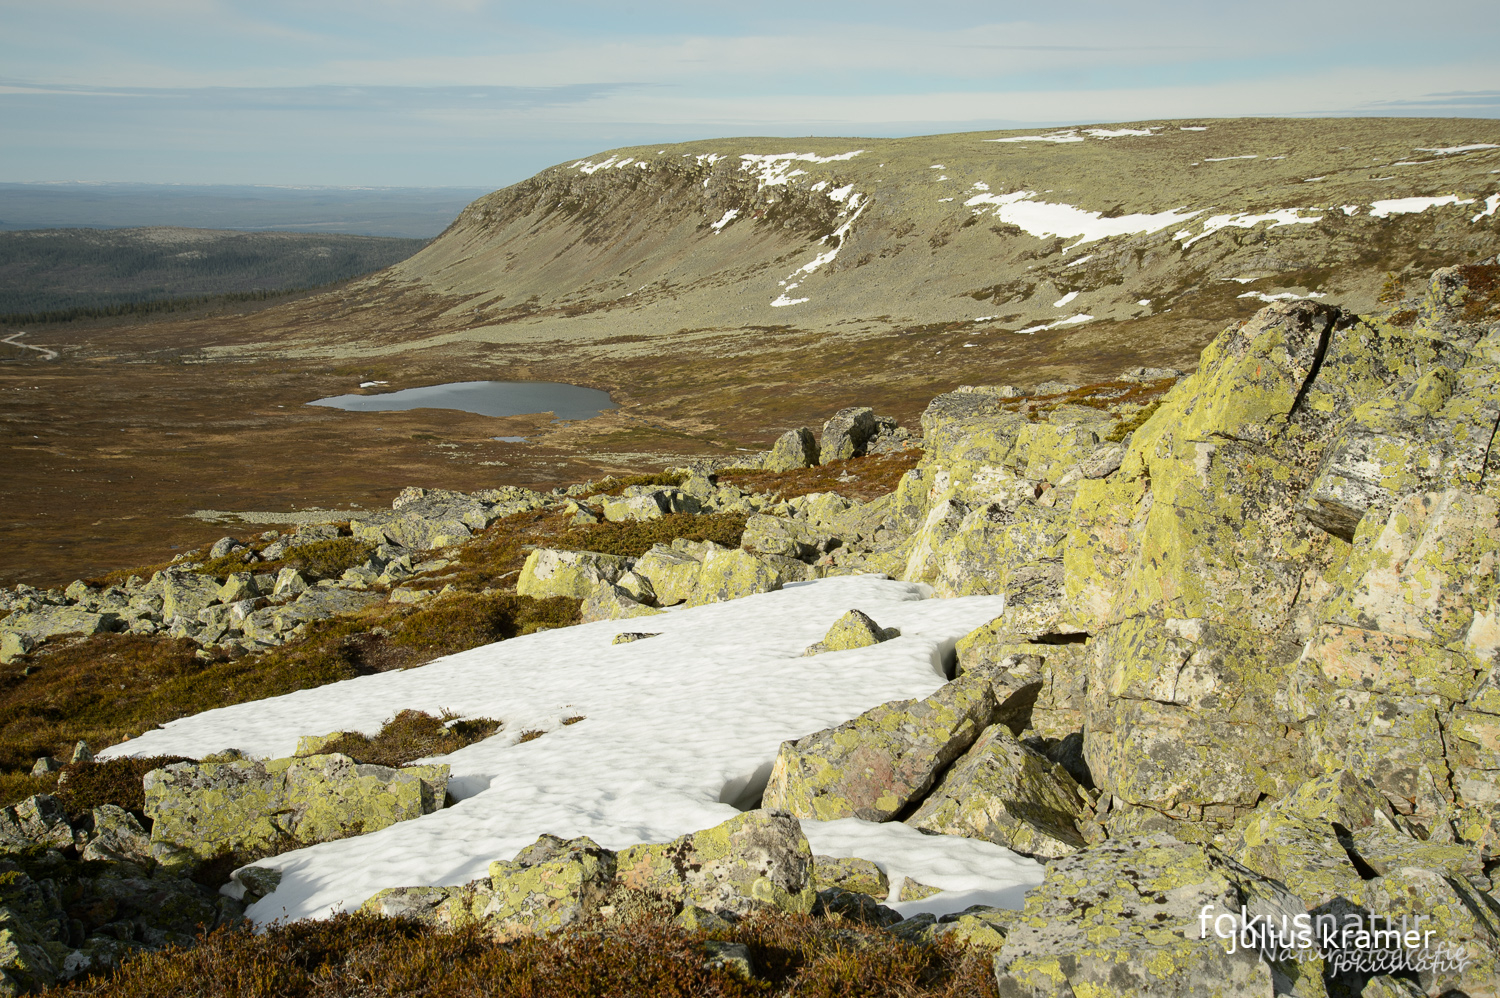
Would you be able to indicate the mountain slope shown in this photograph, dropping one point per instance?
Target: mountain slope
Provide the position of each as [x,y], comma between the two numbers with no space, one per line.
[1007,231]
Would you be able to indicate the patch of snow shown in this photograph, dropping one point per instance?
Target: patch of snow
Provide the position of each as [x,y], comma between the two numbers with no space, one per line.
[976,872]
[942,176]
[971,344]
[674,726]
[980,185]
[774,169]
[840,193]
[1114,133]
[1226,159]
[1193,128]
[1043,218]
[372,384]
[1455,150]
[941,200]
[1282,216]
[937,166]
[1349,209]
[1065,299]
[1314,180]
[1283,296]
[1417,162]
[1411,206]
[1243,280]
[820,185]
[728,217]
[1490,204]
[708,159]
[986,318]
[1082,259]
[782,301]
[1069,136]
[1071,320]
[1146,301]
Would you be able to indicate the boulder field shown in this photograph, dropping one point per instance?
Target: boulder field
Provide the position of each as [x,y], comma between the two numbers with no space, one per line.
[1245,682]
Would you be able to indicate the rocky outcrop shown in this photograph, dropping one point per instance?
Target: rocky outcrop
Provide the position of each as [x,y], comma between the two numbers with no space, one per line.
[1126,919]
[1002,791]
[79,898]
[757,860]
[423,519]
[876,765]
[247,808]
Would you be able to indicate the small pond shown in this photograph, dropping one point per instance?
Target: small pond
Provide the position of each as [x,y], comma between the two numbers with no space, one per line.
[487,398]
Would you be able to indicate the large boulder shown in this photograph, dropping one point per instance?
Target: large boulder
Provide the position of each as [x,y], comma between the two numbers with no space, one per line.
[1137,917]
[874,766]
[611,602]
[23,631]
[550,884]
[855,629]
[1006,793]
[847,433]
[550,572]
[730,573]
[251,808]
[793,449]
[759,859]
[673,574]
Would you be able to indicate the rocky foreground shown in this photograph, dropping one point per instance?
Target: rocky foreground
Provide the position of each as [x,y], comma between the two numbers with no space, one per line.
[1243,699]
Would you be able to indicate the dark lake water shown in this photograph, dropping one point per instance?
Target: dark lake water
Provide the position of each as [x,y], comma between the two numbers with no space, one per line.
[487,398]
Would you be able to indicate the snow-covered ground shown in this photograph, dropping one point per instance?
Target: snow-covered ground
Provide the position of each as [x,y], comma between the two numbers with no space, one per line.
[675,728]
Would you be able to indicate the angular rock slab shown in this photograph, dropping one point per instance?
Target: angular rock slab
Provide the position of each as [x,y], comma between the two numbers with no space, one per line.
[550,572]
[200,810]
[550,884]
[875,765]
[1004,792]
[1124,920]
[754,860]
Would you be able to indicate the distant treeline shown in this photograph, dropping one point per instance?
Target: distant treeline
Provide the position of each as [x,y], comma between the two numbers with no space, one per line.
[146,307]
[49,274]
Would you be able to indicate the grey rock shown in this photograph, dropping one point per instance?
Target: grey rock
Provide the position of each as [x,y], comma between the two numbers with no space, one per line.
[846,434]
[793,449]
[82,753]
[117,837]
[223,546]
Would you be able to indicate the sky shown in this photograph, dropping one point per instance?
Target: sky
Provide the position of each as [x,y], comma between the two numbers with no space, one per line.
[487,92]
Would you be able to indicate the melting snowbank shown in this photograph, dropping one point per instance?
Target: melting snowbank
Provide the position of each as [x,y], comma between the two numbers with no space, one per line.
[674,724]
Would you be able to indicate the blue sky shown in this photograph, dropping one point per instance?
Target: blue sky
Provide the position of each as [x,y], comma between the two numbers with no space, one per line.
[477,93]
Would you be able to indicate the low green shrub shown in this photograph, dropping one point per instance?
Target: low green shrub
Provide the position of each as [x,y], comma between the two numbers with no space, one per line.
[412,735]
[633,538]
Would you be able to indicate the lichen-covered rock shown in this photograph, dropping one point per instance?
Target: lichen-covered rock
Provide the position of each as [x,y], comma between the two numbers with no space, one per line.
[41,624]
[610,602]
[40,819]
[1459,918]
[875,765]
[184,593]
[730,573]
[850,873]
[550,572]
[977,925]
[200,810]
[1006,793]
[117,838]
[550,884]
[423,519]
[756,859]
[846,434]
[673,574]
[793,449]
[1124,919]
[855,629]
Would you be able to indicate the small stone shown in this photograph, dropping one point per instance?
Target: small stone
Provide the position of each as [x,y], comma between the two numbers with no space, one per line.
[855,629]
[82,753]
[289,582]
[731,956]
[625,637]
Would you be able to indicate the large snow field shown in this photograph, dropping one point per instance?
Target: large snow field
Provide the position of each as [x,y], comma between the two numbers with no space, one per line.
[677,729]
